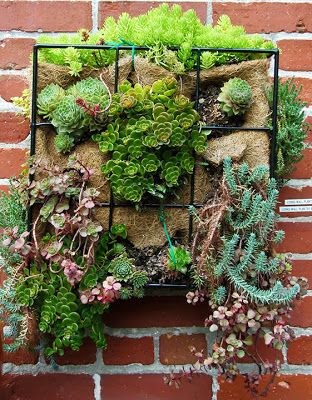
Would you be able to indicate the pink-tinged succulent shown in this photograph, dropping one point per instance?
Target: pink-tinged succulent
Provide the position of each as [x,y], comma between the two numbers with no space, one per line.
[108,292]
[88,296]
[195,297]
[52,251]
[72,271]
[17,243]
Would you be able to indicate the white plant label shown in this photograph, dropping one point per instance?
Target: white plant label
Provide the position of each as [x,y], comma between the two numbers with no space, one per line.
[293,202]
[296,209]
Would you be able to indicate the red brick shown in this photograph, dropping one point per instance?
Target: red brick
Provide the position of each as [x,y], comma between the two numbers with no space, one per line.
[303,169]
[11,161]
[262,17]
[296,55]
[5,188]
[306,92]
[12,86]
[85,355]
[48,387]
[267,353]
[295,353]
[302,268]
[301,315]
[54,16]
[309,134]
[13,128]
[152,387]
[124,351]
[134,8]
[156,311]
[15,53]
[296,387]
[175,349]
[288,193]
[297,237]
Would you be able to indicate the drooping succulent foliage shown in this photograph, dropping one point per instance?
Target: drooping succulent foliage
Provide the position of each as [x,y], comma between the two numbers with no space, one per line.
[72,275]
[74,112]
[291,126]
[13,315]
[249,289]
[152,137]
[235,97]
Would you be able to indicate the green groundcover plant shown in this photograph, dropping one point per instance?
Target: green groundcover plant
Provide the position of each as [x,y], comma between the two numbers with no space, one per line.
[152,139]
[159,29]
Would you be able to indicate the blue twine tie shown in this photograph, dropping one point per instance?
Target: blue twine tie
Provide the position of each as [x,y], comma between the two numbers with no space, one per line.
[171,248]
[123,42]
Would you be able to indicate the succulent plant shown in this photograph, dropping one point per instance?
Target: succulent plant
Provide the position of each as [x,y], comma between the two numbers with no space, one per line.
[68,117]
[63,143]
[121,268]
[48,99]
[152,138]
[179,259]
[235,97]
[90,90]
[139,279]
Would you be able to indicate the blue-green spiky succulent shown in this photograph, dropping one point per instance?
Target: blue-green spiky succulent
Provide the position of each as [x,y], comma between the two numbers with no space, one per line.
[235,97]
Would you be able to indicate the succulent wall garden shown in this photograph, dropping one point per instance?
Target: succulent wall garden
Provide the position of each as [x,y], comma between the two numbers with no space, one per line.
[109,164]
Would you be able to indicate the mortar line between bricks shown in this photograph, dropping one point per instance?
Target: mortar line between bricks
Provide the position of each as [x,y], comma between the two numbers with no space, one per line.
[153,331]
[131,369]
[259,1]
[97,387]
[156,349]
[209,13]
[215,388]
[299,183]
[25,144]
[95,15]
[299,256]
[4,182]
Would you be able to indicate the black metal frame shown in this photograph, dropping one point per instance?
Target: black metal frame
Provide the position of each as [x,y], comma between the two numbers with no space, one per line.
[198,50]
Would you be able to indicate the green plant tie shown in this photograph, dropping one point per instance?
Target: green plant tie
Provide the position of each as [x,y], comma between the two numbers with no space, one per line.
[163,221]
[123,42]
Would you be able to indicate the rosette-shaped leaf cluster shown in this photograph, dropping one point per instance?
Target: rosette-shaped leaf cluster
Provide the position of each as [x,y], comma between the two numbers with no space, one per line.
[74,112]
[122,268]
[235,97]
[49,98]
[152,138]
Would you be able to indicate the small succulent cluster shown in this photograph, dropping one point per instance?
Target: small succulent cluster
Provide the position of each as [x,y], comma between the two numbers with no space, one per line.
[74,112]
[235,97]
[178,259]
[152,139]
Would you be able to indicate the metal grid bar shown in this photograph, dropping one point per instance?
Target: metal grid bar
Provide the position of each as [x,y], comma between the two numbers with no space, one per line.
[198,50]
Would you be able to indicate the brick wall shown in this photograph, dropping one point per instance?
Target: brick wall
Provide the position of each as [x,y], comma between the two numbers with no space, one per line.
[151,336]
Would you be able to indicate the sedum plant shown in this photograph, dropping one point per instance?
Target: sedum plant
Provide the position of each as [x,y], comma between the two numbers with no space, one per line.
[291,127]
[70,272]
[74,112]
[250,291]
[152,136]
[235,97]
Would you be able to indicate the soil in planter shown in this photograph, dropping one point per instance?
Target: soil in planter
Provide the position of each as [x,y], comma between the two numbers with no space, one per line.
[152,260]
[210,111]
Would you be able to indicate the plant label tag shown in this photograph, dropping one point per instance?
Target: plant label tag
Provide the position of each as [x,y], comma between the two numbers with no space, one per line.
[292,202]
[296,209]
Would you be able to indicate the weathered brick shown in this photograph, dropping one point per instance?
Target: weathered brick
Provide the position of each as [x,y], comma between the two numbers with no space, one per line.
[309,134]
[152,387]
[85,355]
[267,17]
[297,237]
[15,53]
[296,55]
[285,387]
[176,349]
[12,86]
[11,161]
[48,387]
[301,315]
[134,8]
[300,350]
[306,91]
[267,353]
[54,16]
[302,268]
[303,169]
[288,193]
[125,350]
[156,311]
[13,128]
[5,189]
